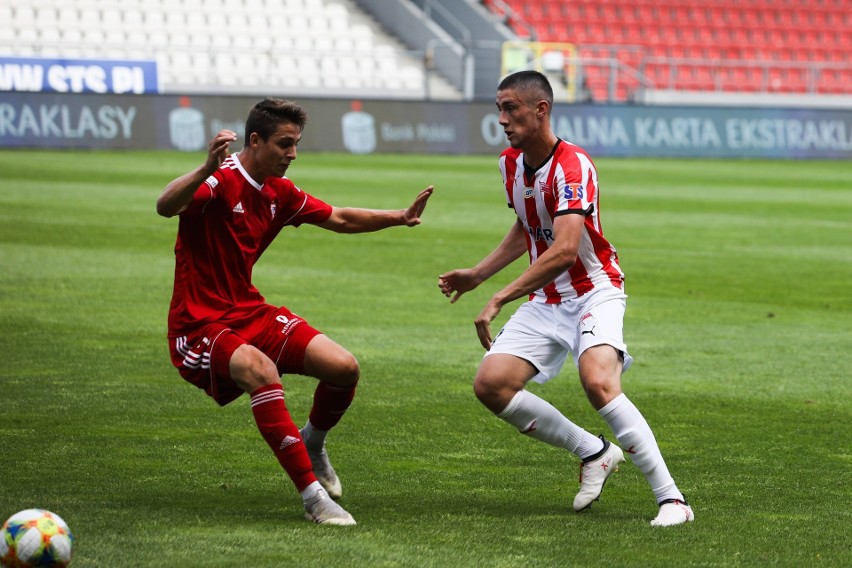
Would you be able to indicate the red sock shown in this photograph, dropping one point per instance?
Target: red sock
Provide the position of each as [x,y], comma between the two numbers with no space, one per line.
[280,432]
[330,402]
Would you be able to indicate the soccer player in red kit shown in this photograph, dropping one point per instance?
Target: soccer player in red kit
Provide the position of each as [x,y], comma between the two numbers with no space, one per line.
[576,303]
[223,336]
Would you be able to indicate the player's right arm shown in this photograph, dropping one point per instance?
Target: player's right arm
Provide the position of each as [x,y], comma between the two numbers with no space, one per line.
[466,279]
[177,195]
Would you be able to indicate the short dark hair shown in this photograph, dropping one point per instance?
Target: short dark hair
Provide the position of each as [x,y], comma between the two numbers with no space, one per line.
[266,115]
[532,82]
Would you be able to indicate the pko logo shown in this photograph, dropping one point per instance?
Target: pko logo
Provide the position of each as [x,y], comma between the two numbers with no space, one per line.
[359,130]
[186,129]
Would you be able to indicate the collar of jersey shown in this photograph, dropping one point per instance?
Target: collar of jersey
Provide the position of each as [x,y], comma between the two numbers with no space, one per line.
[257,186]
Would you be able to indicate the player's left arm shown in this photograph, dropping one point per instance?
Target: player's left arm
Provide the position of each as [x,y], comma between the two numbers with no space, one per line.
[355,220]
[559,257]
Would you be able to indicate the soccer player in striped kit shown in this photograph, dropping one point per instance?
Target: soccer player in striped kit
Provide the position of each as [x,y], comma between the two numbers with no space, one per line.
[576,303]
[223,336]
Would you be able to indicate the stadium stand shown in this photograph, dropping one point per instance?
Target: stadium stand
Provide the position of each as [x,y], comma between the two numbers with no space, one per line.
[621,50]
[625,47]
[248,46]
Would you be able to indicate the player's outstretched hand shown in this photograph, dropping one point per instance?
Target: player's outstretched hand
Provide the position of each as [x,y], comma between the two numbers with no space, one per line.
[413,213]
[457,282]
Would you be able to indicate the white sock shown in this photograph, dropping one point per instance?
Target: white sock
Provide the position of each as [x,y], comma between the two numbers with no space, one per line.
[637,440]
[310,491]
[539,419]
[313,438]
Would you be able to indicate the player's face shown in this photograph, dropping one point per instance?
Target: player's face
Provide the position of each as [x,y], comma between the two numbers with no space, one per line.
[275,155]
[517,117]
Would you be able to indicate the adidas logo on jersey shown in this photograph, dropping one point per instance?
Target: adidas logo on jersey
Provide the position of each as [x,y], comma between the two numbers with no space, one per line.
[239,208]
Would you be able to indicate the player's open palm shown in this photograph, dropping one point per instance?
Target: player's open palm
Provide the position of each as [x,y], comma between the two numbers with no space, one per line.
[413,213]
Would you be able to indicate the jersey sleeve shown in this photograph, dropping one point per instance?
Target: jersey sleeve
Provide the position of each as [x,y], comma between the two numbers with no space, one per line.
[508,166]
[299,207]
[204,195]
[575,194]
[314,211]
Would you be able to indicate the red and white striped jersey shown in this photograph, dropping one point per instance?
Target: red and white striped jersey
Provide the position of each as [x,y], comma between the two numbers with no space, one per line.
[567,183]
[228,225]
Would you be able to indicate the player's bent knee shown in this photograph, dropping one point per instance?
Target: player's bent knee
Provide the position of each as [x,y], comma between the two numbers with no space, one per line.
[349,371]
[601,392]
[493,393]
[482,388]
[341,369]
[329,362]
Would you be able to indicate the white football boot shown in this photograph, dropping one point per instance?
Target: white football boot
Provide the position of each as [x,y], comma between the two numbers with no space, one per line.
[594,471]
[322,510]
[673,512]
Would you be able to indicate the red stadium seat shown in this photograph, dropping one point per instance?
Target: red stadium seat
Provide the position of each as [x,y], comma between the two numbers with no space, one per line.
[833,81]
[726,32]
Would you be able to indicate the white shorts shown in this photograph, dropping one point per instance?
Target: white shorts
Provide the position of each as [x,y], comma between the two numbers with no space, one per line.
[544,334]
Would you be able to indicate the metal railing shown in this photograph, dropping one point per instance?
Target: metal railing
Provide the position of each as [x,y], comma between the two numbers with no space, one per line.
[613,80]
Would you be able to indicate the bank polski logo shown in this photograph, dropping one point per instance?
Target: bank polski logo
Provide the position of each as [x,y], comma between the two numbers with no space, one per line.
[186,127]
[359,130]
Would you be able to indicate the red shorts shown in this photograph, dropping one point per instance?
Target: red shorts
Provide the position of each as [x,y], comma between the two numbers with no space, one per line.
[203,356]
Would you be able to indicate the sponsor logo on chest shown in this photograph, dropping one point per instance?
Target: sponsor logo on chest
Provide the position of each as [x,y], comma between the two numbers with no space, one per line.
[543,187]
[540,233]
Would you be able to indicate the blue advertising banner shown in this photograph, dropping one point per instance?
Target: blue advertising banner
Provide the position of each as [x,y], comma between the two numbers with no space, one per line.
[187,123]
[707,131]
[102,76]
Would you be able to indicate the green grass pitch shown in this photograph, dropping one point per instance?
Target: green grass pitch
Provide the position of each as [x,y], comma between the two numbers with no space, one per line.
[739,275]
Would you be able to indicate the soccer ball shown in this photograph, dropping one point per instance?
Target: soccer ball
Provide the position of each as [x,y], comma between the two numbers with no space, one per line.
[35,537]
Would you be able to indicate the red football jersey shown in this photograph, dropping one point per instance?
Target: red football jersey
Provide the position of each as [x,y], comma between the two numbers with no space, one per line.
[229,223]
[567,183]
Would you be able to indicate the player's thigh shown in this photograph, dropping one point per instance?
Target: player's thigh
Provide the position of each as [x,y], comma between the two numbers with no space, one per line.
[329,362]
[600,369]
[284,337]
[601,363]
[500,371]
[530,335]
[251,369]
